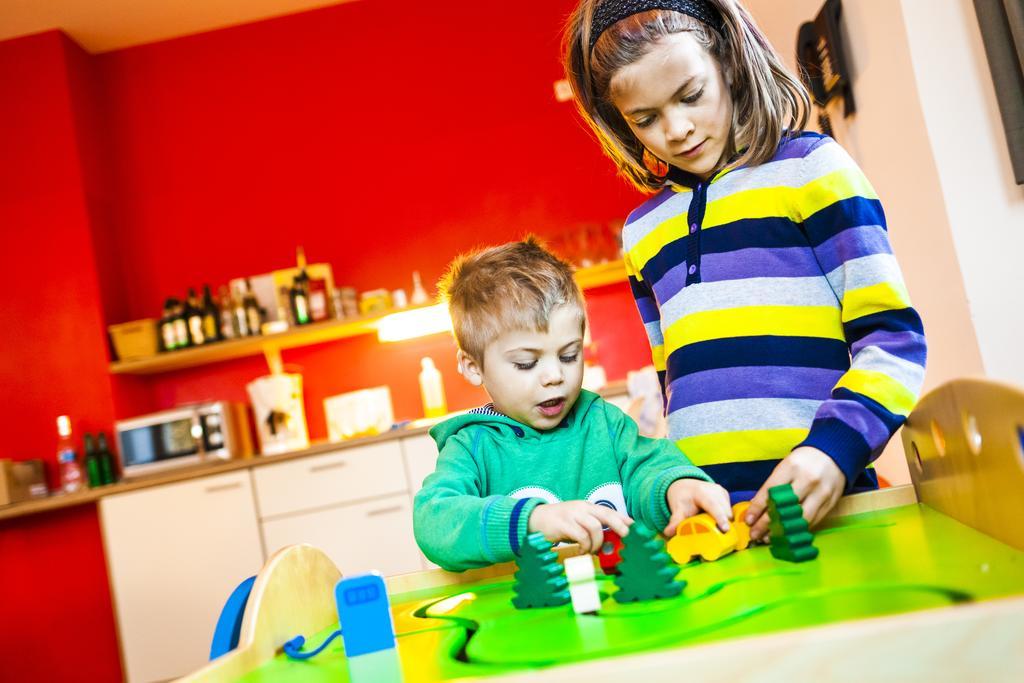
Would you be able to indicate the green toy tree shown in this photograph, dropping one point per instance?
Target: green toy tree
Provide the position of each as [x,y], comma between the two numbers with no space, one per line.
[540,580]
[791,537]
[646,571]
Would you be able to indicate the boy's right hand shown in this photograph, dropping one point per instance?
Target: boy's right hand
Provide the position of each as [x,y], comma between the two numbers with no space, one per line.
[577,521]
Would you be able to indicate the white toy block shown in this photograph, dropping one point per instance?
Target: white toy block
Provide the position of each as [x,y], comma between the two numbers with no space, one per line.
[579,568]
[583,592]
[585,597]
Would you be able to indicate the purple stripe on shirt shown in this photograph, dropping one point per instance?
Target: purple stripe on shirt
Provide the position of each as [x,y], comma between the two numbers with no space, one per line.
[650,205]
[909,346]
[796,148]
[759,262]
[857,417]
[671,283]
[726,384]
[648,309]
[864,240]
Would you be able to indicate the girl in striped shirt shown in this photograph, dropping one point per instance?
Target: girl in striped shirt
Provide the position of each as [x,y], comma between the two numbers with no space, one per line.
[777,314]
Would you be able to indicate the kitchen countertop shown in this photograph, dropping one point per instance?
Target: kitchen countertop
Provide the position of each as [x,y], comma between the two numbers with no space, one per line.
[63,500]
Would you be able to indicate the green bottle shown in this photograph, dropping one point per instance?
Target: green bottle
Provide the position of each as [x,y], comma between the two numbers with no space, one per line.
[92,463]
[106,458]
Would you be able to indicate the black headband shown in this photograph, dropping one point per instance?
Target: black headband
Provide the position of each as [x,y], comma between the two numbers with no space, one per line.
[611,11]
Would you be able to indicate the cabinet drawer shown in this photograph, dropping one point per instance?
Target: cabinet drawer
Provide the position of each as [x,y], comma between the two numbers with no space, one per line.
[371,536]
[317,481]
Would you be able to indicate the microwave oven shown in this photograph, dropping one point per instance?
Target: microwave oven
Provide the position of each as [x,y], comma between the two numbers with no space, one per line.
[190,435]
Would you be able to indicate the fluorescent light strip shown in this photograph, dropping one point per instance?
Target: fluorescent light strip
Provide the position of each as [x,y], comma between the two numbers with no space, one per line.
[418,322]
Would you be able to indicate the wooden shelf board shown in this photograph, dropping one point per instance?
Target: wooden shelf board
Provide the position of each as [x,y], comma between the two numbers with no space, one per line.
[602,274]
[316,333]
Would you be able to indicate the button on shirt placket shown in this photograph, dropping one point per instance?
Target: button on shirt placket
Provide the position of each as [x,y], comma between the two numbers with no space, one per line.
[695,217]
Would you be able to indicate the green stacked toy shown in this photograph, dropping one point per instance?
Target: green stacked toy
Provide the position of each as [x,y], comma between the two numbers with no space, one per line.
[646,571]
[791,537]
[540,580]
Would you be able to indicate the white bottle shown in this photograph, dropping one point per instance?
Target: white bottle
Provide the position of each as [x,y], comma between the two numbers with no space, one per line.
[419,295]
[432,390]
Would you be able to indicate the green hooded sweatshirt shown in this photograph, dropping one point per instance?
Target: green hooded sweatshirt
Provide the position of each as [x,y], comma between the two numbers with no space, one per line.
[492,471]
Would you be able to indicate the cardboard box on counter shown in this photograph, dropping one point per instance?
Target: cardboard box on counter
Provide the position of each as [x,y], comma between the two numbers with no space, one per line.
[21,480]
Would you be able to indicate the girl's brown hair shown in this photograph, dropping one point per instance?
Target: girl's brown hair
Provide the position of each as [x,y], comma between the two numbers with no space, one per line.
[767,98]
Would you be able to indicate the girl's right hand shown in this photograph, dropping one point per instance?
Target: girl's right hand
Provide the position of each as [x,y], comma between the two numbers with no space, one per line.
[577,521]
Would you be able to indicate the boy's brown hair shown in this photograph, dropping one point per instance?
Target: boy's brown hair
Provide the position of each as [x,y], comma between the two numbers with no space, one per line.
[510,287]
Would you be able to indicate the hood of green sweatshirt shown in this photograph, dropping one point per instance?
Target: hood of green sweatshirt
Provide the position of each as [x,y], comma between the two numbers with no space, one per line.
[506,426]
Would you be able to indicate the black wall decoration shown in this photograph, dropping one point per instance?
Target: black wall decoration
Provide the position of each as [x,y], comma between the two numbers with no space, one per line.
[1002,31]
[824,67]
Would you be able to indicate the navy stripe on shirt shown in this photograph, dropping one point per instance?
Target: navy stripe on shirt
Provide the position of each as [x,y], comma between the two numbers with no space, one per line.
[513,524]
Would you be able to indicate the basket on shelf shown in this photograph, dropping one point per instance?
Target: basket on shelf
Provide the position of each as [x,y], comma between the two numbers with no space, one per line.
[134,340]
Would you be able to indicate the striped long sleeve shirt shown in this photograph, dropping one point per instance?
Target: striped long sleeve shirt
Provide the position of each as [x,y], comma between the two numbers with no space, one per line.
[777,314]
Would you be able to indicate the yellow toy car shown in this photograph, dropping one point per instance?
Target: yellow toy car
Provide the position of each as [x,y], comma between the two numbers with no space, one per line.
[699,535]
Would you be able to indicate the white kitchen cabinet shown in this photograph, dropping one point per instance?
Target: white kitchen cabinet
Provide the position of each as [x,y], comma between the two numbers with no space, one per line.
[360,537]
[345,475]
[420,454]
[174,555]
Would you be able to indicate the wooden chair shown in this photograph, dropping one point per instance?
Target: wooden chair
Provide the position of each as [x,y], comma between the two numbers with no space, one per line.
[965,449]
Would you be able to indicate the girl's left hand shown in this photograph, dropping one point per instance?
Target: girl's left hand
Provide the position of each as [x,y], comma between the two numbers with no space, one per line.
[816,479]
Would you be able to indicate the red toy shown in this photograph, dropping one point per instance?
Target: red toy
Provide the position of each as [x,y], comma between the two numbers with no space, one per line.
[608,556]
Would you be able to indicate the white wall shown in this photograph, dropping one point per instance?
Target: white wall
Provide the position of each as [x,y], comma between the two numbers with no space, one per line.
[985,206]
[888,137]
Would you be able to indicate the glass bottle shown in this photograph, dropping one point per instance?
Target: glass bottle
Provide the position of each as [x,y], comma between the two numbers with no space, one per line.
[168,336]
[194,319]
[92,462]
[181,336]
[228,329]
[211,317]
[253,313]
[108,475]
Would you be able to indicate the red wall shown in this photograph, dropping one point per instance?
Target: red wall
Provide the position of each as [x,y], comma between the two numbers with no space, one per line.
[384,137]
[54,597]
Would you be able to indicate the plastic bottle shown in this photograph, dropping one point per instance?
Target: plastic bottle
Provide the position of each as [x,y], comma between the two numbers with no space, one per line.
[71,477]
[432,390]
[419,295]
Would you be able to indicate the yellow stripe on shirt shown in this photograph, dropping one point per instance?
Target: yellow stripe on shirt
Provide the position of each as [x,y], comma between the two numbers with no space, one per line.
[884,296]
[740,446]
[650,244]
[879,387]
[831,188]
[658,357]
[762,202]
[754,321]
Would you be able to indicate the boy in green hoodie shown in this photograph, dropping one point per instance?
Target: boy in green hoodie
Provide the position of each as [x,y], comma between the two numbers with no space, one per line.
[544,455]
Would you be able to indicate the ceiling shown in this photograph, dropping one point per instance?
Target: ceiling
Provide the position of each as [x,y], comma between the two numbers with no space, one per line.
[104,25]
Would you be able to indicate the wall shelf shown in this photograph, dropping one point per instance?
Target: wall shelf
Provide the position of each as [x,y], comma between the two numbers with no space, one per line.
[271,345]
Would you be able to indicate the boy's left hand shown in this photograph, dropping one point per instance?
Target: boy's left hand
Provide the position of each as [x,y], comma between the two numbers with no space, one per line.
[687,497]
[816,479]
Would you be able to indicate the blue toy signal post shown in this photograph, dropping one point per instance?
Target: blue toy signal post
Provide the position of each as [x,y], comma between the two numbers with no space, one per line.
[365,614]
